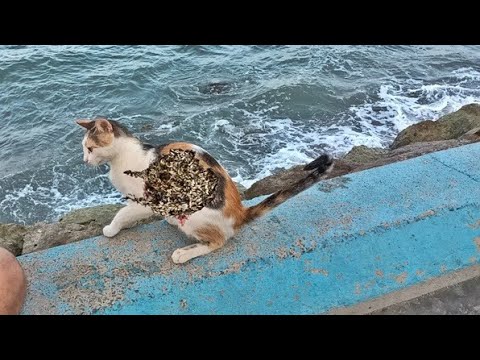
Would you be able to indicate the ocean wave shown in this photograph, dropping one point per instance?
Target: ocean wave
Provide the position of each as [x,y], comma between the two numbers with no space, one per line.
[256,109]
[45,195]
[374,123]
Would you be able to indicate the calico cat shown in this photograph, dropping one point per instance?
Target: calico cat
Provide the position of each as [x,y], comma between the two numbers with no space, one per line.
[107,141]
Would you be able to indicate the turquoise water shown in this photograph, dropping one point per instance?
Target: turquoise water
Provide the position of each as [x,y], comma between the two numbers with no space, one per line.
[255,108]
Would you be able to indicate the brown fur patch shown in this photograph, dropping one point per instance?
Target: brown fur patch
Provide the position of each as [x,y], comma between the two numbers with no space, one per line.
[177,146]
[207,164]
[212,235]
[119,130]
[97,138]
[256,211]
[321,166]
[274,200]
[104,125]
[87,124]
[233,204]
[233,207]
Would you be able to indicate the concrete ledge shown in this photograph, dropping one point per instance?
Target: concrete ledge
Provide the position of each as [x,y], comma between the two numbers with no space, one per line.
[389,303]
[461,298]
[345,241]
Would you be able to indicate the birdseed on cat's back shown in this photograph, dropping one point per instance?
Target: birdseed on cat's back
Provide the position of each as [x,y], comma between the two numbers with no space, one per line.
[176,184]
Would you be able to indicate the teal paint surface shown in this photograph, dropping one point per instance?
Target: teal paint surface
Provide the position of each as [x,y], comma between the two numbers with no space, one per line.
[343,241]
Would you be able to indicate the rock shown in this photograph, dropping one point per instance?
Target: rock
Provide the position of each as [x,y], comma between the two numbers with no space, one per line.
[43,236]
[219,87]
[146,127]
[451,126]
[346,165]
[473,134]
[101,215]
[363,154]
[241,189]
[75,226]
[463,126]
[11,237]
[275,182]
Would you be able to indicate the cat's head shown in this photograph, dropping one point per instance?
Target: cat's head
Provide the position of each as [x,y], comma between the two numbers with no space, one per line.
[100,140]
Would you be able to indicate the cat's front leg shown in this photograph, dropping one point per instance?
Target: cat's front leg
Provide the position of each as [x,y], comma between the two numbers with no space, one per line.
[127,217]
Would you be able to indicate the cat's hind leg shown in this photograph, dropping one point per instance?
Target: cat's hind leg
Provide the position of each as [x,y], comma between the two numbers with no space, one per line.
[127,217]
[211,238]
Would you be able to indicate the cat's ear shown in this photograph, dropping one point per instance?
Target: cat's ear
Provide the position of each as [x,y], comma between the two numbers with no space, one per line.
[104,125]
[87,124]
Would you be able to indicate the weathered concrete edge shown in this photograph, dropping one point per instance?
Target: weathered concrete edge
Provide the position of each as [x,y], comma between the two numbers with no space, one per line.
[409,293]
[365,181]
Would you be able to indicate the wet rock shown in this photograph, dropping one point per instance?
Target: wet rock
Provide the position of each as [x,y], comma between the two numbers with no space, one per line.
[363,154]
[43,236]
[75,226]
[275,182]
[146,127]
[241,189]
[11,237]
[473,134]
[99,215]
[451,126]
[216,88]
[344,166]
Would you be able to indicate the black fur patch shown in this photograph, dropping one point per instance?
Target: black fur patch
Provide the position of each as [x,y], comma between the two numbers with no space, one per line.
[119,129]
[321,163]
[147,147]
[219,200]
[209,159]
[193,246]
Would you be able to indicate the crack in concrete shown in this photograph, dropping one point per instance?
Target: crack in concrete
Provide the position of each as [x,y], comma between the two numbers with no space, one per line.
[455,169]
[384,227]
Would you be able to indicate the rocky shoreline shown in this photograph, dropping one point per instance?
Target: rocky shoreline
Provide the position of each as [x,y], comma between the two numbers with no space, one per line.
[455,129]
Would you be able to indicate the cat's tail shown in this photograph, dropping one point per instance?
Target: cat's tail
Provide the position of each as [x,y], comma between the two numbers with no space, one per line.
[320,166]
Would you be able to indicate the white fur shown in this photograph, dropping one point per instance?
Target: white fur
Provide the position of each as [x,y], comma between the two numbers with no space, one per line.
[130,156]
[126,153]
[99,155]
[207,217]
[182,255]
[123,154]
[200,219]
[127,217]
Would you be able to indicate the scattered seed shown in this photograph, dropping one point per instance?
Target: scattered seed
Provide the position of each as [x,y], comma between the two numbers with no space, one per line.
[176,184]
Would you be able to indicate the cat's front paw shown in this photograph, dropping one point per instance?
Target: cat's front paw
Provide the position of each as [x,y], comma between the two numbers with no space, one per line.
[180,256]
[110,231]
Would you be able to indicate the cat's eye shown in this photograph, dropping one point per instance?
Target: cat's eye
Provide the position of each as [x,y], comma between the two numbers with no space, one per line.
[90,149]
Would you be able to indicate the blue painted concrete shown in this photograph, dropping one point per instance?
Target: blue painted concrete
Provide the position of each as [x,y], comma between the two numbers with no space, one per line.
[343,241]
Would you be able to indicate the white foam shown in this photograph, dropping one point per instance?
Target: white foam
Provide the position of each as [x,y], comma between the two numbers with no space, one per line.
[91,200]
[219,123]
[30,200]
[264,138]
[466,74]
[164,129]
[376,123]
